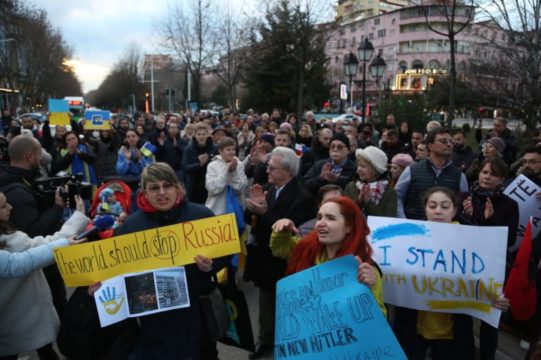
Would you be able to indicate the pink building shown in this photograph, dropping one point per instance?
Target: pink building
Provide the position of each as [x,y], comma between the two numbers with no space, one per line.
[415,55]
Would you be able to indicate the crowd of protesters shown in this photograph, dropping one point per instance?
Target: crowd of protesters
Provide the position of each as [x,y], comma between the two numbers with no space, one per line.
[293,175]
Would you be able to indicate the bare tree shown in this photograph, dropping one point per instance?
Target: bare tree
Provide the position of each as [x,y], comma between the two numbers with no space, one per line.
[233,38]
[458,15]
[191,37]
[512,31]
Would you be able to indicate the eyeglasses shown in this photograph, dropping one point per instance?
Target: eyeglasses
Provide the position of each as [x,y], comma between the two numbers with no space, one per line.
[156,189]
[447,141]
[337,147]
[530,161]
[272,168]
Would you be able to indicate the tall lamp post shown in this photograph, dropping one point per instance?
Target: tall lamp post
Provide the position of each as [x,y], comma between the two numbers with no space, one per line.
[377,69]
[364,53]
[350,70]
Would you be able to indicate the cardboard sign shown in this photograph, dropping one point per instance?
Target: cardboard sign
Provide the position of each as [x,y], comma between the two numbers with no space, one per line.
[162,247]
[59,112]
[439,266]
[325,313]
[97,120]
[523,191]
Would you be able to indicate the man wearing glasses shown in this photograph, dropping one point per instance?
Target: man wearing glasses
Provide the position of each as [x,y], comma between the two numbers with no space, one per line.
[338,169]
[436,170]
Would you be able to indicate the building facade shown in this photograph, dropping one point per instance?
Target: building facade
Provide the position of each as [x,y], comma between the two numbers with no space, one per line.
[415,56]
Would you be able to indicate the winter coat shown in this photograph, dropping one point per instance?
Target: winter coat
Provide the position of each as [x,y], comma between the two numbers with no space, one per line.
[13,265]
[463,158]
[29,319]
[386,206]
[132,167]
[30,213]
[174,334]
[218,178]
[294,203]
[106,153]
[171,153]
[193,171]
[313,181]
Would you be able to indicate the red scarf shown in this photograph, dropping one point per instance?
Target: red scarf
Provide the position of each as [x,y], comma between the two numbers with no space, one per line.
[143,204]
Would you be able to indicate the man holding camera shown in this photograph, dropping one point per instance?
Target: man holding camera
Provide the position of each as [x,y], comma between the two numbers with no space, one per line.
[30,214]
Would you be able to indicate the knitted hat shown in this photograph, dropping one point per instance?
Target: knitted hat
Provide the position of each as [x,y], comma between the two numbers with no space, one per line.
[105,193]
[374,156]
[267,138]
[498,143]
[402,160]
[340,137]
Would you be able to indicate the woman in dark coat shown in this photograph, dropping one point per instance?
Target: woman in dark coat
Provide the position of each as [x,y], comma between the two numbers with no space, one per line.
[106,149]
[487,205]
[176,334]
[195,159]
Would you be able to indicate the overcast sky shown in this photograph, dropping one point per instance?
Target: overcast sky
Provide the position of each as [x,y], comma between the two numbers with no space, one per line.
[100,30]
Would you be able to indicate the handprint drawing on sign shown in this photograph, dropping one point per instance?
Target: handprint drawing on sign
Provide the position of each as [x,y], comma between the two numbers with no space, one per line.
[109,300]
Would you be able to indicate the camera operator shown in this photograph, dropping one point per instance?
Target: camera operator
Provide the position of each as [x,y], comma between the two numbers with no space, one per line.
[30,214]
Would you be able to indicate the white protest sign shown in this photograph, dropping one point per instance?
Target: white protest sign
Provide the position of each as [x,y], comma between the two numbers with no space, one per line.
[523,191]
[140,294]
[439,266]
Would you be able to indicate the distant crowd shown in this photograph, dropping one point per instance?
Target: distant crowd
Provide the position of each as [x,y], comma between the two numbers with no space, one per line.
[306,187]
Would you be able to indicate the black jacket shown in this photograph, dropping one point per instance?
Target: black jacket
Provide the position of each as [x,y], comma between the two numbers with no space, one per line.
[294,203]
[463,158]
[316,153]
[194,173]
[30,213]
[171,153]
[174,334]
[313,182]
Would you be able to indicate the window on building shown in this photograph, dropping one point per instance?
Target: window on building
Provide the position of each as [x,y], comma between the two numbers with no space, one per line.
[417,64]
[376,21]
[504,37]
[371,36]
[353,28]
[353,41]
[381,33]
[434,64]
[403,66]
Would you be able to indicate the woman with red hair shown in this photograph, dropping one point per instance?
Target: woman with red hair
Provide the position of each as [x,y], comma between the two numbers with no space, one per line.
[340,230]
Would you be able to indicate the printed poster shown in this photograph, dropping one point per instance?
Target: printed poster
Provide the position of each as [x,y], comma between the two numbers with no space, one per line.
[325,313]
[439,266]
[141,294]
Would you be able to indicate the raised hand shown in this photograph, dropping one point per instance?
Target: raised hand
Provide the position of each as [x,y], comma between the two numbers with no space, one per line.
[468,206]
[285,224]
[366,273]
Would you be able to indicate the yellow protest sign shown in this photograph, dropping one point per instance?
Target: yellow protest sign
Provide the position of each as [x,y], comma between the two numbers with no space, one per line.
[57,118]
[166,246]
[90,125]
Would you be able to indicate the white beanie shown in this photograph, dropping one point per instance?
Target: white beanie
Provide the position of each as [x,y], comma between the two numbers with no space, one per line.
[374,156]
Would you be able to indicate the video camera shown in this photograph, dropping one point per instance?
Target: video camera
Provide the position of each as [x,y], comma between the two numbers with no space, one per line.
[75,186]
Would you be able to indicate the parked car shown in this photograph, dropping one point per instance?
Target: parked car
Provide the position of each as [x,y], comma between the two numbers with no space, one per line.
[347,118]
[35,116]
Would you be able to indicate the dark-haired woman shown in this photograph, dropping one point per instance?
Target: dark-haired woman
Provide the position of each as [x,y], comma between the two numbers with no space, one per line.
[487,205]
[75,158]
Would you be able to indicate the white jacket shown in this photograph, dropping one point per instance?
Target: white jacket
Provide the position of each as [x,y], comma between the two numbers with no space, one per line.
[217,178]
[28,319]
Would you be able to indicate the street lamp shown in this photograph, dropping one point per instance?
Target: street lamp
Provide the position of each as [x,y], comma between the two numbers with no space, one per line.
[364,53]
[350,69]
[377,69]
